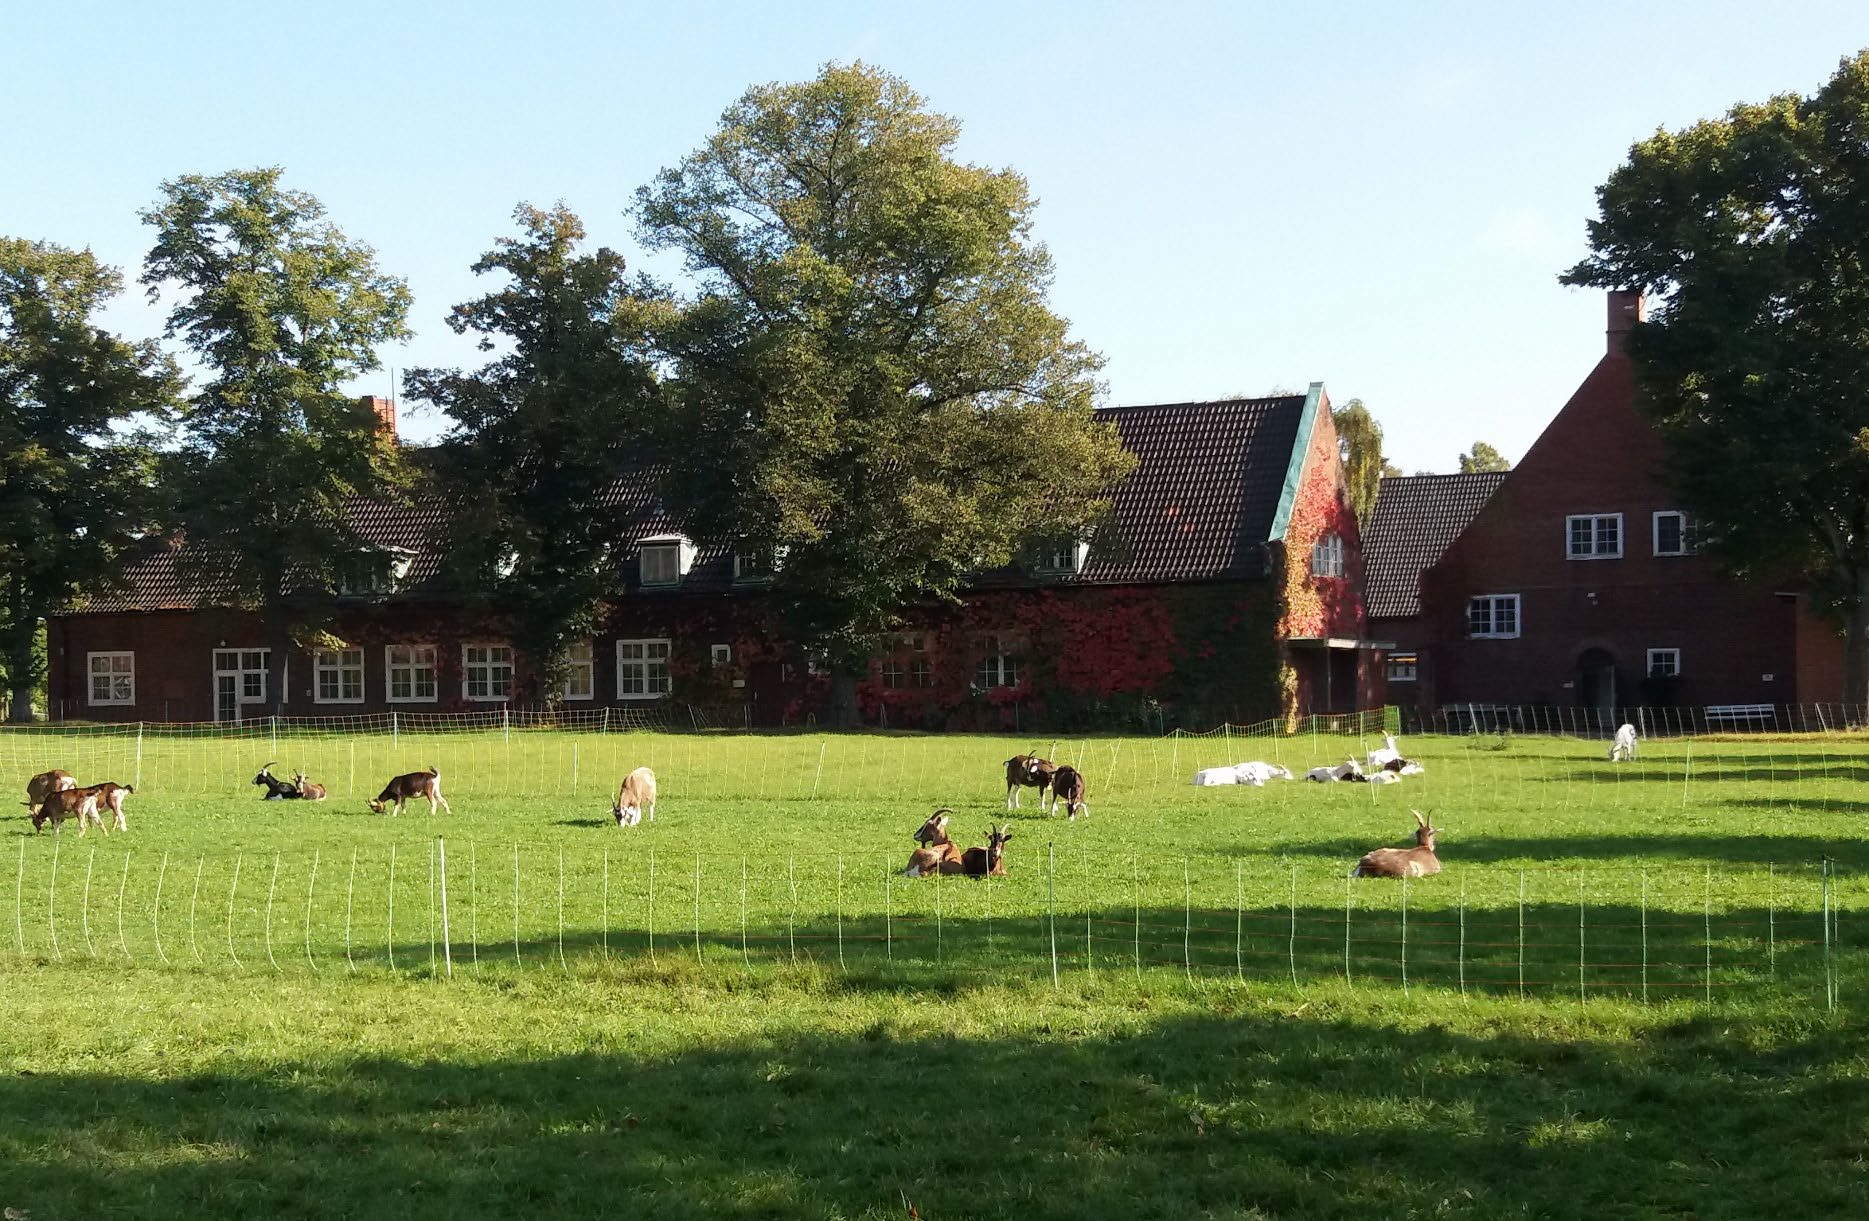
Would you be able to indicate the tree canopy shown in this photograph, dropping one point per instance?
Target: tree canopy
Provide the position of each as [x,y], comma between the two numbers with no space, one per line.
[1483,458]
[542,431]
[1359,443]
[74,478]
[868,380]
[281,309]
[1751,233]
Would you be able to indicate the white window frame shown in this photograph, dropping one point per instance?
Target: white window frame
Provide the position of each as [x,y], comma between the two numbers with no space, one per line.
[635,668]
[413,666]
[1686,528]
[720,654]
[997,667]
[1493,601]
[1648,670]
[1327,555]
[672,551]
[331,661]
[1596,521]
[242,668]
[751,567]
[492,663]
[581,660]
[1410,660]
[109,674]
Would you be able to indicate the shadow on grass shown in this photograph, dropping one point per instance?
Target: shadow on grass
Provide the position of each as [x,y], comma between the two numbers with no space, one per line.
[1716,768]
[1263,1112]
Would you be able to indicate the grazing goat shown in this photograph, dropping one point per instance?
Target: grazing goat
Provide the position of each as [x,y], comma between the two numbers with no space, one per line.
[1027,772]
[415,784]
[1067,785]
[80,804]
[1379,759]
[306,790]
[990,860]
[1349,769]
[1416,862]
[634,796]
[45,784]
[1624,745]
[276,789]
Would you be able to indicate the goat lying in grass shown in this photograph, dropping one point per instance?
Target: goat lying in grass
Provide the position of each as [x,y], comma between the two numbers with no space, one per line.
[936,853]
[1254,773]
[1416,862]
[1349,769]
[276,789]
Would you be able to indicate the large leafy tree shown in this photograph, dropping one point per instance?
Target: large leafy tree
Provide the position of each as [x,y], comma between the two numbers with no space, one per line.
[1359,443]
[868,377]
[74,488]
[1751,233]
[280,309]
[1483,459]
[542,430]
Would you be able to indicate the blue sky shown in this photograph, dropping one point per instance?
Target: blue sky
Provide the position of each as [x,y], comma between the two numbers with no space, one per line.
[1238,197]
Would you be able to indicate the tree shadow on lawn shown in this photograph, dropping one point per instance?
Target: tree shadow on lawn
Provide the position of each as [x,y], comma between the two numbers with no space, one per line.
[1261,1112]
[1718,769]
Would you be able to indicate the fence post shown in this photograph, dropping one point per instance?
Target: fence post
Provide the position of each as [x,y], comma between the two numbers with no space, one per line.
[195,895]
[1292,946]
[1346,930]
[231,890]
[562,965]
[1580,950]
[350,892]
[272,729]
[697,908]
[1687,772]
[516,961]
[389,934]
[447,951]
[123,880]
[1187,917]
[1771,919]
[1462,959]
[473,904]
[651,901]
[1051,906]
[603,920]
[820,772]
[139,755]
[1404,958]
[19,902]
[311,890]
[395,730]
[1521,934]
[574,769]
[84,903]
[746,963]
[1645,936]
[1135,890]
[1707,915]
[1239,921]
[506,725]
[889,933]
[271,887]
[840,910]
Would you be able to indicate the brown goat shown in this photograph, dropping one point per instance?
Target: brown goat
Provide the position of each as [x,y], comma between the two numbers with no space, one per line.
[635,797]
[990,860]
[110,796]
[414,784]
[1027,772]
[1416,862]
[1067,785]
[45,784]
[307,791]
[936,853]
[80,804]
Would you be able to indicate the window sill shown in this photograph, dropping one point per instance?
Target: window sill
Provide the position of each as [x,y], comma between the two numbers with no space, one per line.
[638,699]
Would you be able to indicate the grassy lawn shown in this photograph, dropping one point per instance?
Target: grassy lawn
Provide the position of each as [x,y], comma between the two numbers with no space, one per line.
[1179,1007]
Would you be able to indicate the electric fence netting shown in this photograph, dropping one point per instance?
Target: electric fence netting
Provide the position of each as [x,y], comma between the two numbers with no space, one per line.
[1543,915]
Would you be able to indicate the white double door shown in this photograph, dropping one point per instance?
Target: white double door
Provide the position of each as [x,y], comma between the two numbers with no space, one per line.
[239,681]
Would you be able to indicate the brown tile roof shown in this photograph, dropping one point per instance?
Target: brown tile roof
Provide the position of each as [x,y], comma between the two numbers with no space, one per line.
[1199,506]
[1415,520]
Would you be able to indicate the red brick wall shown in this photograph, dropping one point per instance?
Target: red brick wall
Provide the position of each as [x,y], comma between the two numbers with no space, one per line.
[1324,607]
[1600,456]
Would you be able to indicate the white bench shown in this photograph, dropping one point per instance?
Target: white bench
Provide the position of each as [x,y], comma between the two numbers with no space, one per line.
[1726,716]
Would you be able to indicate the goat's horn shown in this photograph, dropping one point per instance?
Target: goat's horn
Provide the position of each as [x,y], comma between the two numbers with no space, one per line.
[1418,818]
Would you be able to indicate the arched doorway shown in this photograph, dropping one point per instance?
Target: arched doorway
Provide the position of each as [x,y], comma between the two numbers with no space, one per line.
[1596,685]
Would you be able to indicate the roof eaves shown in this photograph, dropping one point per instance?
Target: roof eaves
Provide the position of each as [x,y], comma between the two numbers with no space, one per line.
[1294,469]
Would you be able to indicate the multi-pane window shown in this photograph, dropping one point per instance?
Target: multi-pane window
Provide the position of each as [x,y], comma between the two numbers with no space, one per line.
[580,671]
[1593,536]
[661,564]
[113,677]
[895,673]
[642,669]
[752,566]
[1493,615]
[486,671]
[1404,667]
[997,666]
[1674,533]
[337,676]
[1664,663]
[1327,556]
[921,673]
[239,679]
[409,673]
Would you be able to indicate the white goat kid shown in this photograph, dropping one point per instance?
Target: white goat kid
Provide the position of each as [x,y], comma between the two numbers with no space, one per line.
[1349,769]
[1624,745]
[1379,759]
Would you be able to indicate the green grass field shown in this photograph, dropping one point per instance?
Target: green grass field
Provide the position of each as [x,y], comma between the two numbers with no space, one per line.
[1634,991]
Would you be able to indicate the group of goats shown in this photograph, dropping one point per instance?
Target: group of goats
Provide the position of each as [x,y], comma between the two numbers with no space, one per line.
[55,796]
[1384,766]
[397,793]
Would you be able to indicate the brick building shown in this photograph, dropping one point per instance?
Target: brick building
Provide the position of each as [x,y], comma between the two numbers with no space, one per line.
[1225,586]
[1577,584]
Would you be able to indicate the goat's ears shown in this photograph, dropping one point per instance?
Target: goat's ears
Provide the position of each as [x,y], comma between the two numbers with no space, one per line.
[1418,818]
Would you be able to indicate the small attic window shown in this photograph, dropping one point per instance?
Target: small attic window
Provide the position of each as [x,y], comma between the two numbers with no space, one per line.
[1327,556]
[373,572]
[750,566]
[1062,556]
[664,559]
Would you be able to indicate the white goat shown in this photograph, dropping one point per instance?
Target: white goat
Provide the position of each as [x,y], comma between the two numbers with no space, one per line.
[635,796]
[1254,773]
[1379,759]
[1624,746]
[1349,769]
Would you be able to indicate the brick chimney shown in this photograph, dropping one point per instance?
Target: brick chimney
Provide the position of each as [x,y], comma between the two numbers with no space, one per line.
[385,411]
[1626,309]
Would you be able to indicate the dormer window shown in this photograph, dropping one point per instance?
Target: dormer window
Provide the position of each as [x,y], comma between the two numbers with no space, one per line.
[374,573]
[749,566]
[1062,556]
[664,559]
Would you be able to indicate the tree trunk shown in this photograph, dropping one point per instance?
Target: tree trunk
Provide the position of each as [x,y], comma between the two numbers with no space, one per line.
[1856,645]
[844,713]
[19,665]
[278,640]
